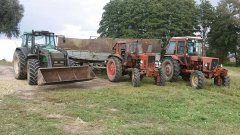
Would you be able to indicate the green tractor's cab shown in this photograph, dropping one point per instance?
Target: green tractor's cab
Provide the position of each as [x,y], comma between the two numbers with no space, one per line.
[41,39]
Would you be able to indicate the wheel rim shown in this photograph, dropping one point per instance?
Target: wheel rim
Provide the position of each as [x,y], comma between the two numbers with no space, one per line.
[111,69]
[194,80]
[168,70]
[16,66]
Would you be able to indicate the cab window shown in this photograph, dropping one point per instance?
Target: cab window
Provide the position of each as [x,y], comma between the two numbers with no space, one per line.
[24,41]
[181,47]
[171,48]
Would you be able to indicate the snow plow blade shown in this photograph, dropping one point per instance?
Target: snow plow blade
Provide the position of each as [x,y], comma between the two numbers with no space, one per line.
[48,76]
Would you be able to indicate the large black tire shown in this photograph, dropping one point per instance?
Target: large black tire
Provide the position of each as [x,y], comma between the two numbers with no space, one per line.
[114,69]
[19,65]
[218,81]
[162,80]
[33,66]
[197,79]
[136,79]
[226,81]
[171,69]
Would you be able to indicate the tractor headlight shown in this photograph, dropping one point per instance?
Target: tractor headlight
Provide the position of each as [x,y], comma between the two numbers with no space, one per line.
[158,64]
[206,65]
[221,65]
[141,61]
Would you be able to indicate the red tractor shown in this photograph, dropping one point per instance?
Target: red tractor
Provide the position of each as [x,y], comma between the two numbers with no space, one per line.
[185,56]
[129,59]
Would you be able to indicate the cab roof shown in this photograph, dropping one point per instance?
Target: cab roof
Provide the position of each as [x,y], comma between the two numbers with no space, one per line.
[38,33]
[186,38]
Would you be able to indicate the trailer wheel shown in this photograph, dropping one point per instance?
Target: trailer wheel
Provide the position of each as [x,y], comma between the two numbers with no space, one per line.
[19,65]
[72,63]
[32,70]
[162,79]
[114,69]
[197,79]
[136,78]
[171,69]
[226,81]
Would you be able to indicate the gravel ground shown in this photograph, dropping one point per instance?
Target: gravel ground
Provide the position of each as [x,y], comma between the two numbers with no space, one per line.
[9,85]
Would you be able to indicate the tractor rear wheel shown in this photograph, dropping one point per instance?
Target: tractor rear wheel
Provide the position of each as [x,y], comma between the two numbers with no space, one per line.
[226,81]
[197,79]
[162,80]
[19,66]
[171,69]
[136,79]
[114,69]
[32,70]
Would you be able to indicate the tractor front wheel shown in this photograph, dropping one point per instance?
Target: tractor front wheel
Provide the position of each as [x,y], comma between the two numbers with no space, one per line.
[114,69]
[222,81]
[136,78]
[218,81]
[171,69]
[19,65]
[197,79]
[32,70]
[226,81]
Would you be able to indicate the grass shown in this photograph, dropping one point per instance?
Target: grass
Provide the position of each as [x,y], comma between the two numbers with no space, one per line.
[174,109]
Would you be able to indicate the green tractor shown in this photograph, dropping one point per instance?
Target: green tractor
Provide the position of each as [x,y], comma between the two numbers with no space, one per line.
[41,62]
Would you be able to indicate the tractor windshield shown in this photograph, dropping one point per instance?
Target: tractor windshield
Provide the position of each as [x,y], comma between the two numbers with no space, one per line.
[195,48]
[134,48]
[45,41]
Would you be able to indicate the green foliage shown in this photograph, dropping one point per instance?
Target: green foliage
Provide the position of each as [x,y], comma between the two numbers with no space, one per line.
[11,13]
[206,16]
[148,18]
[224,34]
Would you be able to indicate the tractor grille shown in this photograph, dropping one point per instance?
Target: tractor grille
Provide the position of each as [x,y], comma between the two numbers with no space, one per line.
[214,63]
[151,59]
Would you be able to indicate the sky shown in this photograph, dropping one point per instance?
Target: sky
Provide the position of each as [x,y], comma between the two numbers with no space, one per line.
[72,18]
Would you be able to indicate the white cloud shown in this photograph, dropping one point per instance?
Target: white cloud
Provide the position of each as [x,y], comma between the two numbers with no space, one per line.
[54,15]
[73,31]
[7,48]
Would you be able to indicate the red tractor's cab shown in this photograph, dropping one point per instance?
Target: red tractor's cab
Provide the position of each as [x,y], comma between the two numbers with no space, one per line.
[185,55]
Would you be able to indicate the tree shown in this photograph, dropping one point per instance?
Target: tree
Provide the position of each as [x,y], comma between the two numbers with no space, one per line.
[148,18]
[224,34]
[206,16]
[11,13]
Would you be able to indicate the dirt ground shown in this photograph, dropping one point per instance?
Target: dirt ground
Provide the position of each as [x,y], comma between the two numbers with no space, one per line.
[9,85]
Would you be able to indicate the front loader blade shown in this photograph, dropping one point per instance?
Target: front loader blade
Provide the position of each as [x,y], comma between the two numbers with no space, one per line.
[47,76]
